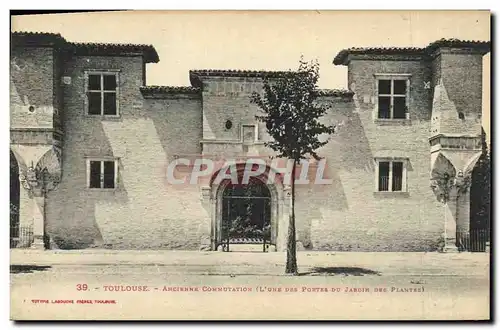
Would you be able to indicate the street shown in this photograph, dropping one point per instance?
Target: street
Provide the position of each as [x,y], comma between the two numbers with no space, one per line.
[349,288]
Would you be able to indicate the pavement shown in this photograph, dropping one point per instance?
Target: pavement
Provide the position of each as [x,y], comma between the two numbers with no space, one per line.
[192,285]
[273,263]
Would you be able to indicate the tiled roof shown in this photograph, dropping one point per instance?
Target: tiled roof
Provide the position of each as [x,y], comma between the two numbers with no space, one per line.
[37,38]
[89,48]
[239,73]
[194,75]
[56,40]
[483,46]
[341,57]
[148,90]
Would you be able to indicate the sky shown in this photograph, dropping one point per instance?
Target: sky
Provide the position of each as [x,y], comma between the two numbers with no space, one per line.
[263,40]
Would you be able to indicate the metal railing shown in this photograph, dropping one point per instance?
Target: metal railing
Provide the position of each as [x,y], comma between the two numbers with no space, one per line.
[383,183]
[240,225]
[474,240]
[21,236]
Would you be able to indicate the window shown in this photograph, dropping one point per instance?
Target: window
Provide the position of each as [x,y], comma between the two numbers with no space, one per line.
[392,96]
[391,175]
[102,174]
[102,93]
[249,134]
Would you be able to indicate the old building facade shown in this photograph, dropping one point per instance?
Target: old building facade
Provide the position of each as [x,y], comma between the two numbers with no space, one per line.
[92,143]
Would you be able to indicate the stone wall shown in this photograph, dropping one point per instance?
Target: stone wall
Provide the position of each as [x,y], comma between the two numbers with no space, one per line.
[31,84]
[351,216]
[143,211]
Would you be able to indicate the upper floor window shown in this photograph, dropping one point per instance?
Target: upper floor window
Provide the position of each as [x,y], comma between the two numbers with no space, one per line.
[391,175]
[102,93]
[393,96]
[102,174]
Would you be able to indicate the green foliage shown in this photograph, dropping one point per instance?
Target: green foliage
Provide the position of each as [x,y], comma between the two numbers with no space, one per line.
[292,113]
[243,227]
[481,190]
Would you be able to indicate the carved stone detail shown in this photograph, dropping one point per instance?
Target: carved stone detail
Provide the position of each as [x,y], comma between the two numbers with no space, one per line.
[463,182]
[442,186]
[45,176]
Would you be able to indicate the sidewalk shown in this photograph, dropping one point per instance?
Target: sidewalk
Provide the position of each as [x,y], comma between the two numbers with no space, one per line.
[383,263]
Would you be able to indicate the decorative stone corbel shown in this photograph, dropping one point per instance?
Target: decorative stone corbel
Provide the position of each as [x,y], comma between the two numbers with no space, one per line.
[441,186]
[38,181]
[30,180]
[463,182]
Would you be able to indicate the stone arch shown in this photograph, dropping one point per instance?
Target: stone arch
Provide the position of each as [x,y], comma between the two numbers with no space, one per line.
[39,173]
[50,165]
[443,174]
[442,166]
[20,162]
[274,182]
[276,190]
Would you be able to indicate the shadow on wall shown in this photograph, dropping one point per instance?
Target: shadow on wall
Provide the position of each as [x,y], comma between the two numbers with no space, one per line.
[178,123]
[72,205]
[348,150]
[311,199]
[353,151]
[25,66]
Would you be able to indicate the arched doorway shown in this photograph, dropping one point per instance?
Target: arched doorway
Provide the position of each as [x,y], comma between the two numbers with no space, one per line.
[246,214]
[14,201]
[263,195]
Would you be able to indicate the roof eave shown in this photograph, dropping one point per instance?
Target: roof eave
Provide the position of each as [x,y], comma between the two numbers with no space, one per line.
[479,47]
[169,91]
[341,58]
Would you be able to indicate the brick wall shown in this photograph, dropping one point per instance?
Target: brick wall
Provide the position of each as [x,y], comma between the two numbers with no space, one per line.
[348,215]
[461,76]
[143,211]
[229,99]
[31,84]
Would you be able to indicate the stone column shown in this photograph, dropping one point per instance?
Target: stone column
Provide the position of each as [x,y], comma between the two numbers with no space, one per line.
[450,223]
[463,211]
[446,192]
[25,216]
[463,182]
[32,182]
[36,181]
[38,222]
[454,193]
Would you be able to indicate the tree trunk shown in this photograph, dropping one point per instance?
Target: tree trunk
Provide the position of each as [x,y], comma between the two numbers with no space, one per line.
[291,248]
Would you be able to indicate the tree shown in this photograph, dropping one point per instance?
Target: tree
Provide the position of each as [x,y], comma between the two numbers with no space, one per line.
[481,190]
[291,114]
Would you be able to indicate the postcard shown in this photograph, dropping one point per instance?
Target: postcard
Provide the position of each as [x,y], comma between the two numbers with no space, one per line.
[250,165]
